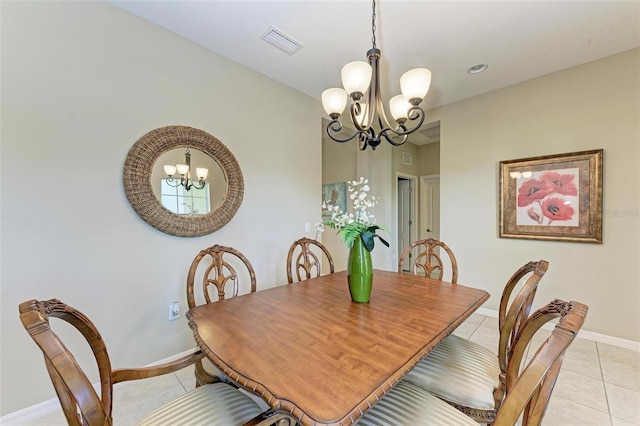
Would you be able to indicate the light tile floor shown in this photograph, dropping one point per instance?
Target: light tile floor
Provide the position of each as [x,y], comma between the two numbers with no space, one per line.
[599,384]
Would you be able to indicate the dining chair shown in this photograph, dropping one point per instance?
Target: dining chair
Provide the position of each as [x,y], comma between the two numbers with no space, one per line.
[305,257]
[470,376]
[216,268]
[528,392]
[428,260]
[83,405]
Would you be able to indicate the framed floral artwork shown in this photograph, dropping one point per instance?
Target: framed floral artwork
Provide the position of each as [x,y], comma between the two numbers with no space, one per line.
[553,197]
[335,194]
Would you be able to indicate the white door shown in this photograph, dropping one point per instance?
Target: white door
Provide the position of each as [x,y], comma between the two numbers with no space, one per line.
[430,208]
[404,213]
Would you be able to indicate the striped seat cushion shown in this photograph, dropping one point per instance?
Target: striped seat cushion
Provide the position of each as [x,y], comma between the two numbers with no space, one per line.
[217,404]
[408,405]
[459,371]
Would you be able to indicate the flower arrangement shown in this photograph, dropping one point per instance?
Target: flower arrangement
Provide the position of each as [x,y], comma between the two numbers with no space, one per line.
[360,223]
[548,196]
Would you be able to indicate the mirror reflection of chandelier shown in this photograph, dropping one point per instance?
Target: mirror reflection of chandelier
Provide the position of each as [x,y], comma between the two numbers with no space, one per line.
[184,170]
[361,77]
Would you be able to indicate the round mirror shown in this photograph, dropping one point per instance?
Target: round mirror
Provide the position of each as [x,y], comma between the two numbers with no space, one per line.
[188,206]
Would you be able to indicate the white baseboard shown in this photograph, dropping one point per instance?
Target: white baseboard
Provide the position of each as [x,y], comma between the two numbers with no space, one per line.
[583,334]
[36,411]
[31,414]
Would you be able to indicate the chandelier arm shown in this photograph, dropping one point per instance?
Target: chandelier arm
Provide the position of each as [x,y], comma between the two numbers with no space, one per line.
[195,185]
[414,113]
[384,134]
[364,139]
[335,126]
[354,110]
[170,179]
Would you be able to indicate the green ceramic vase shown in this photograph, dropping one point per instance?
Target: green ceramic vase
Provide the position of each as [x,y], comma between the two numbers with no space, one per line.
[359,272]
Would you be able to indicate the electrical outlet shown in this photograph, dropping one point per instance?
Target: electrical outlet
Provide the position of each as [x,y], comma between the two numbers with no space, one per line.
[307,227]
[174,311]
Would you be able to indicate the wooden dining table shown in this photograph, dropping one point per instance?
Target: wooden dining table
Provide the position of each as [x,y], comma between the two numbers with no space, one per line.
[308,350]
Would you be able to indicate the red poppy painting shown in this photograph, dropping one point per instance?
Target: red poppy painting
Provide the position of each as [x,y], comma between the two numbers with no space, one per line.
[548,198]
[552,197]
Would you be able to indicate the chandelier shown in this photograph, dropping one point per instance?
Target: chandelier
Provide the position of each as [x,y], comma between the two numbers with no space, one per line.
[184,170]
[358,78]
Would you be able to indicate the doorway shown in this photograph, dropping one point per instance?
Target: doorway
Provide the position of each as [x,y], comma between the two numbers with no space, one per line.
[407,229]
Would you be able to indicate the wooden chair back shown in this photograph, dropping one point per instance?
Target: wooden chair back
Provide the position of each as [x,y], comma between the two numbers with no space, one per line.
[428,261]
[305,257]
[83,406]
[80,402]
[513,314]
[218,273]
[528,393]
[215,268]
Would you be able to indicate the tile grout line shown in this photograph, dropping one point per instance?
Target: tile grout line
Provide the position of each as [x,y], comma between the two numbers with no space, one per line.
[604,386]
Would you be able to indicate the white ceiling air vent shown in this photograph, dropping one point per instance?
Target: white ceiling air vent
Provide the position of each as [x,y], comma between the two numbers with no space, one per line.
[281,41]
[407,158]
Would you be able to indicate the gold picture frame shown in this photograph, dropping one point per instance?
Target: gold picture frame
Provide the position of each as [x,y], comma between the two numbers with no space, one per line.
[553,197]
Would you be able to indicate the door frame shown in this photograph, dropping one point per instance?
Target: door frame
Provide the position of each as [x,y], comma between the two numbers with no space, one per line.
[396,252]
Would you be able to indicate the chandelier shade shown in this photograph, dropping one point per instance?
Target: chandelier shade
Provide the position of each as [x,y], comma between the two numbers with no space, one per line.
[414,84]
[356,77]
[334,101]
[361,82]
[399,106]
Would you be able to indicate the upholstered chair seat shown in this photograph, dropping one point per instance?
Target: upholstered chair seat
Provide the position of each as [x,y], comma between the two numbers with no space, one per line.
[407,404]
[230,405]
[468,375]
[460,371]
[527,391]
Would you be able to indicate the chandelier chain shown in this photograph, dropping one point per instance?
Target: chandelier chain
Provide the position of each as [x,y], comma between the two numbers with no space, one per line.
[373,25]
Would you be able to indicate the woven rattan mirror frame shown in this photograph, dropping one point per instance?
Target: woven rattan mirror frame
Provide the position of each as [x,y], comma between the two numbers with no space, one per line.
[136,178]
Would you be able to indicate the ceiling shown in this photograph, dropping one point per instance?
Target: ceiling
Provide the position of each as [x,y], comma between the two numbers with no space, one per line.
[518,40]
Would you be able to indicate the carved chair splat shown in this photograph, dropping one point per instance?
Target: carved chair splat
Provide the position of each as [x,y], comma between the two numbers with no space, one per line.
[428,261]
[304,260]
[218,273]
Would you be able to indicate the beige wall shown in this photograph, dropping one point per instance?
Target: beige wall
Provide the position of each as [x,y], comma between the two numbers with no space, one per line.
[596,105]
[398,154]
[81,82]
[338,165]
[429,159]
